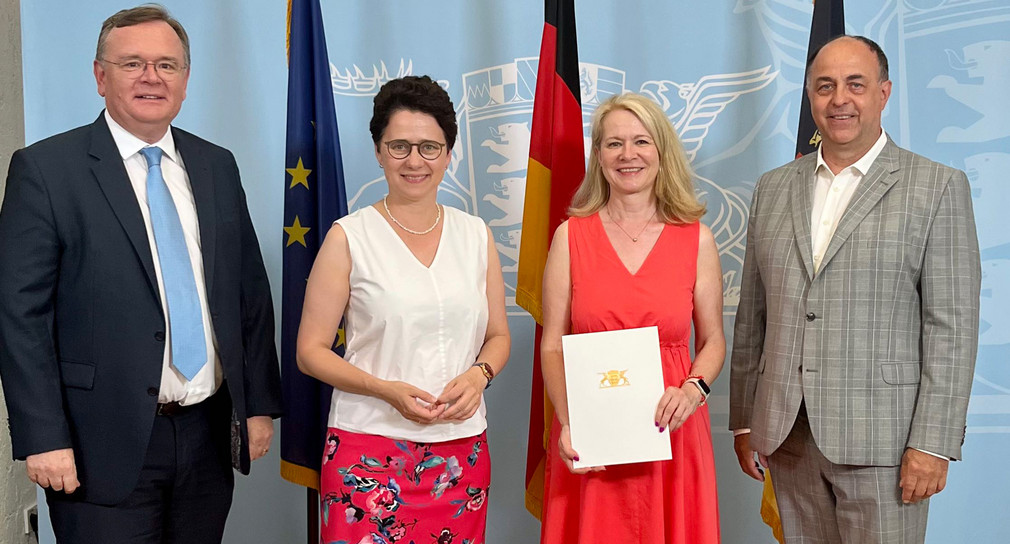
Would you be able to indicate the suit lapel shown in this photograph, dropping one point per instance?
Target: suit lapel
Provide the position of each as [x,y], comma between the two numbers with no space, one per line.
[115,184]
[871,189]
[198,168]
[801,200]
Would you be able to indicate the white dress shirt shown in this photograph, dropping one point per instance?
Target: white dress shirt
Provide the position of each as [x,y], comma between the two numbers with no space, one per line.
[174,386]
[832,193]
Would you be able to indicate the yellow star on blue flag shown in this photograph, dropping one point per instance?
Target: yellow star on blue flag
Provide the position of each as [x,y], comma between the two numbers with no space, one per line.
[296,233]
[313,147]
[299,175]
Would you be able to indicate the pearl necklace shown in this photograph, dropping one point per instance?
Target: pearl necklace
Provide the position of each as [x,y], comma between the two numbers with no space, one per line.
[438,217]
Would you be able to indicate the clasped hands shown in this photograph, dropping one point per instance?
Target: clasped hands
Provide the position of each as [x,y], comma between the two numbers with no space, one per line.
[458,402]
[673,409]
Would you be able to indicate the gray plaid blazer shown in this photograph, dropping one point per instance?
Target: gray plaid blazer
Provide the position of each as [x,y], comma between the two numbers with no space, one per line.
[880,342]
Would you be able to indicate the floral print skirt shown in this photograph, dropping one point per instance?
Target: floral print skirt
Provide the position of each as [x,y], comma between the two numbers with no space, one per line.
[378,490]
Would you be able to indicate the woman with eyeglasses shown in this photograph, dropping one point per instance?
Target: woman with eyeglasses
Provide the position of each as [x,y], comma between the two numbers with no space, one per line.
[420,292]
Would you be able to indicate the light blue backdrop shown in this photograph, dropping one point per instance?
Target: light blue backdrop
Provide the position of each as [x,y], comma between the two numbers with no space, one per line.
[729,74]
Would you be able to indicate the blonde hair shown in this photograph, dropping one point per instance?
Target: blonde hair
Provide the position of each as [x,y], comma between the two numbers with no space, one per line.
[676,201]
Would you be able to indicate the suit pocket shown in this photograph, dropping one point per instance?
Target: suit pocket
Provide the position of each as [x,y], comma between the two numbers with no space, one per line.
[79,375]
[900,373]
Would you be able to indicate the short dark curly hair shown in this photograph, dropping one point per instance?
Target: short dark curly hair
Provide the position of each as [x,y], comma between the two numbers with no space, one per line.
[413,93]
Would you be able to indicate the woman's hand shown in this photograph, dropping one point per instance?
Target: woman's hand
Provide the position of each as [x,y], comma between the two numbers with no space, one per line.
[413,403]
[676,405]
[461,397]
[568,454]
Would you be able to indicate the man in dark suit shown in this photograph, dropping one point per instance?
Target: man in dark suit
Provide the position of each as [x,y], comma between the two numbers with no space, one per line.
[136,326]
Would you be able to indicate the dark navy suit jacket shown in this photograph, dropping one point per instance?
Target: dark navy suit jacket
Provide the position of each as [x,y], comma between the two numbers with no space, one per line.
[82,329]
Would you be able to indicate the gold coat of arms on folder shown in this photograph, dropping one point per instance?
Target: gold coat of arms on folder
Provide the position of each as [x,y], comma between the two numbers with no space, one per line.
[614,378]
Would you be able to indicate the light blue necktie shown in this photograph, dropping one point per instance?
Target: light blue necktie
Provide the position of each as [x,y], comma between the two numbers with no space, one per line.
[189,348]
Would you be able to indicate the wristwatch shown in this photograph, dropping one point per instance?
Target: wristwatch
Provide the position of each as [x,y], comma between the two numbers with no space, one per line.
[486,370]
[702,386]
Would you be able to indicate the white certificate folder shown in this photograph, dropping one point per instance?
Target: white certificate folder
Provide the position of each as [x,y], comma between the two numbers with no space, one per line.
[614,381]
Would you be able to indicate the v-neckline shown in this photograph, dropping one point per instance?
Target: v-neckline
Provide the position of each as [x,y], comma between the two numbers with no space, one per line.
[613,249]
[392,232]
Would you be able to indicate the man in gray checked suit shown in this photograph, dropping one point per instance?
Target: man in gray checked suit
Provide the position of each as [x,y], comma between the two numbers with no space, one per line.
[857,327]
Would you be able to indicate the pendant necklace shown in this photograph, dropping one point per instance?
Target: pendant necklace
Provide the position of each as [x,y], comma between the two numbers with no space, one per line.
[634,239]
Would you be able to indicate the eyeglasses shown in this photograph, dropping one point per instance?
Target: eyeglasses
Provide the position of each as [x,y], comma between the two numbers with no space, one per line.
[400,149]
[167,69]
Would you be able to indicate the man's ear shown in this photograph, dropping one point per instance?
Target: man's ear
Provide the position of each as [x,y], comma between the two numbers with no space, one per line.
[99,77]
[885,88]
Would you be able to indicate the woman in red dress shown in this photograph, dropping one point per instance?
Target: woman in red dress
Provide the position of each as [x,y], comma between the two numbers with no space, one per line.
[634,254]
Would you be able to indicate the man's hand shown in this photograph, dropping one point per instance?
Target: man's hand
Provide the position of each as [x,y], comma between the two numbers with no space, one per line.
[261,432]
[55,469]
[922,475]
[745,455]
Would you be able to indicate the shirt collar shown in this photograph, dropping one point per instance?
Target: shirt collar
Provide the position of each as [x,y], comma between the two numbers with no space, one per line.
[864,162]
[129,145]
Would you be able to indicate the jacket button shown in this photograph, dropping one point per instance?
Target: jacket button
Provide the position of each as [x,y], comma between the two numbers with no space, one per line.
[159,336]
[811,316]
[153,391]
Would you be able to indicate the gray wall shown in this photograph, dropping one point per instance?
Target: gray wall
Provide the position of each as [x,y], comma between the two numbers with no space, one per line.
[16,492]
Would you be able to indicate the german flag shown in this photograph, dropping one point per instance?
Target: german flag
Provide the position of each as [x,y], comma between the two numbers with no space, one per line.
[556,167]
[828,22]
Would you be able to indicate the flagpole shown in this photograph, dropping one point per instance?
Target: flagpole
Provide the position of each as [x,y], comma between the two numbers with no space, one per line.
[314,196]
[556,166]
[311,516]
[827,21]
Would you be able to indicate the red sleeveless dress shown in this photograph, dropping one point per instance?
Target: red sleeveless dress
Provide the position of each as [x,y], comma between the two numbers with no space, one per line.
[671,502]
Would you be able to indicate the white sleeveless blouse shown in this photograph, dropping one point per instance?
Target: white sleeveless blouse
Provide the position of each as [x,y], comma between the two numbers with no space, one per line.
[405,322]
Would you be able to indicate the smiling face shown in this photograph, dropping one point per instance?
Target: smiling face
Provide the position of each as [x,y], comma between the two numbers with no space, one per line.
[412,177]
[628,155]
[847,99]
[143,103]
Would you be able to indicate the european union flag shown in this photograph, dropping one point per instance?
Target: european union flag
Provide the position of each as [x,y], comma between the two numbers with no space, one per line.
[314,197]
